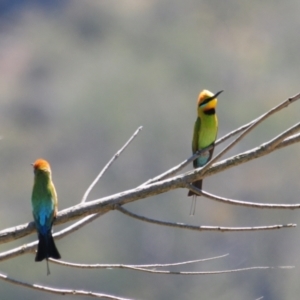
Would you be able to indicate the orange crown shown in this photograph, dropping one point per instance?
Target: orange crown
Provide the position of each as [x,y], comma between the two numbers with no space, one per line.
[41,164]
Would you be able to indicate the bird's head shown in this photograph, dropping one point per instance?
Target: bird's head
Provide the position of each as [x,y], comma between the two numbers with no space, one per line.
[207,100]
[41,166]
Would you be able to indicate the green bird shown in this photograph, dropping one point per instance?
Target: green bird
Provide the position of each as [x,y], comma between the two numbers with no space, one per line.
[44,210]
[205,134]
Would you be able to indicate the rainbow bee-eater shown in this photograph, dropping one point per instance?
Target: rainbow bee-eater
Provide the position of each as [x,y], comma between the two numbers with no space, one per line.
[44,210]
[205,134]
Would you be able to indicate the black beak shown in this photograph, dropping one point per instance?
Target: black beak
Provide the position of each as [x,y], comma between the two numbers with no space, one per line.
[217,94]
[211,98]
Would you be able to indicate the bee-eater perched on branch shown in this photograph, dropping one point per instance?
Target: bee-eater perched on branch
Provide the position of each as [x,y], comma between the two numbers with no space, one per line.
[205,134]
[44,210]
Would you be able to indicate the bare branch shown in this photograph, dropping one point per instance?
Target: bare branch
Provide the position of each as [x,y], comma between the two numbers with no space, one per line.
[106,204]
[63,292]
[176,169]
[254,153]
[282,105]
[166,272]
[212,272]
[289,141]
[122,266]
[17,232]
[251,127]
[31,246]
[243,203]
[201,228]
[77,225]
[86,194]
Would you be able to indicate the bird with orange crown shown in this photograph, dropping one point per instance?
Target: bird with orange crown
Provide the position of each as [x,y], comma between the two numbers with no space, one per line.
[44,210]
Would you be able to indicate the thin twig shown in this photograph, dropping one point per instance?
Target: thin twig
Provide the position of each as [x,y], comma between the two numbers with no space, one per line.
[272,144]
[93,217]
[86,194]
[176,169]
[201,228]
[289,141]
[212,272]
[166,272]
[122,266]
[242,203]
[242,128]
[76,226]
[233,132]
[63,292]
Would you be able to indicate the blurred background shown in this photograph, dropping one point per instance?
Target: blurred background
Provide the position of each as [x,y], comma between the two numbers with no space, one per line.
[78,77]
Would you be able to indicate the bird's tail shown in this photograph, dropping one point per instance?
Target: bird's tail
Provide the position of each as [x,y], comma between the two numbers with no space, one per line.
[198,185]
[46,248]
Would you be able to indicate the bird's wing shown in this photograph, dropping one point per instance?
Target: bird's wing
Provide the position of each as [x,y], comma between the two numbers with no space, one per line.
[195,142]
[54,198]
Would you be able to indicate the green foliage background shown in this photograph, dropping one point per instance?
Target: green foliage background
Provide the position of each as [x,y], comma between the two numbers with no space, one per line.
[78,79]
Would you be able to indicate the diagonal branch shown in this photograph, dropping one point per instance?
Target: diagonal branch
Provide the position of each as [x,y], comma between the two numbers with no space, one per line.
[282,105]
[212,272]
[177,168]
[201,228]
[166,272]
[62,292]
[289,141]
[122,266]
[242,203]
[251,127]
[86,194]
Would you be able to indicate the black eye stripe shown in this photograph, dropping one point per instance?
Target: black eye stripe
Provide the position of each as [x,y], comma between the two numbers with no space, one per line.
[207,100]
[210,98]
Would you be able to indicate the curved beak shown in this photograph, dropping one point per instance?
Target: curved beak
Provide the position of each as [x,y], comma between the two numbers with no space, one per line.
[217,94]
